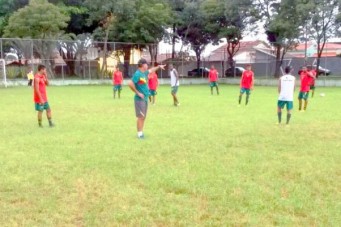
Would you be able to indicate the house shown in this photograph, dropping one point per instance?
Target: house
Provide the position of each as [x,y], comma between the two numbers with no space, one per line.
[249,52]
[330,50]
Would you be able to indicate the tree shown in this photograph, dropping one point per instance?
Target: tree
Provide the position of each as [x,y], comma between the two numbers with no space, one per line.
[229,19]
[7,8]
[30,22]
[192,28]
[135,23]
[283,24]
[321,20]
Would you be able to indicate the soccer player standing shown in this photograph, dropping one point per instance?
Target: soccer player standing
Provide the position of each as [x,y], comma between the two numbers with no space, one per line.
[153,83]
[40,95]
[139,85]
[246,84]
[305,77]
[117,80]
[174,75]
[213,78]
[286,88]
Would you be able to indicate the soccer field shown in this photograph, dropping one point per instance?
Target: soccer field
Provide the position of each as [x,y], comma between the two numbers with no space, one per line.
[207,162]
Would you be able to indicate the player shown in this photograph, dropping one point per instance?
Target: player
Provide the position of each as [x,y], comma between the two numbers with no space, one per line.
[312,80]
[246,84]
[174,75]
[139,85]
[40,95]
[213,78]
[153,83]
[117,80]
[286,88]
[30,77]
[305,88]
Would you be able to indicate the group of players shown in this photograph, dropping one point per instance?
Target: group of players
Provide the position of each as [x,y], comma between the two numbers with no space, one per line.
[144,84]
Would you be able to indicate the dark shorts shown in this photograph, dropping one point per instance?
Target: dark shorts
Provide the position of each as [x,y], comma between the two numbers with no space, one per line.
[117,87]
[303,95]
[213,84]
[43,107]
[281,104]
[175,90]
[245,90]
[141,107]
[153,92]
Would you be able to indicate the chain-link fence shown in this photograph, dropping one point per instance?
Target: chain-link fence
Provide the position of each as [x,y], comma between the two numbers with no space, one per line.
[85,59]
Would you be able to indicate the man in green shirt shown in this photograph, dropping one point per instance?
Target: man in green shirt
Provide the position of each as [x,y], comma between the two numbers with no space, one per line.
[139,85]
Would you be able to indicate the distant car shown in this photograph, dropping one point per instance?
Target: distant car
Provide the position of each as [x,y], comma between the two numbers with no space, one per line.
[202,71]
[321,71]
[231,72]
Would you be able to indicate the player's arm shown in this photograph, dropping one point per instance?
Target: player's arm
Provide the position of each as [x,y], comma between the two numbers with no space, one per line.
[253,81]
[311,74]
[47,83]
[154,69]
[133,88]
[36,90]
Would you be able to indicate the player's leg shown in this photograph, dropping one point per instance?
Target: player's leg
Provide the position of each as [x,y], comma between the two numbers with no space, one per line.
[49,114]
[217,88]
[175,98]
[306,95]
[141,113]
[280,105]
[39,108]
[242,91]
[114,92]
[300,97]
[211,86]
[119,92]
[247,97]
[312,91]
[290,106]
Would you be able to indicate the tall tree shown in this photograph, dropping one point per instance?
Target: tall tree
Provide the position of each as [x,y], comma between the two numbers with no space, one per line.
[229,19]
[283,24]
[7,8]
[30,22]
[321,20]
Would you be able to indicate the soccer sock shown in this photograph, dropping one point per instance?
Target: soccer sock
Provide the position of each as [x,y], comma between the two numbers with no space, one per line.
[40,123]
[279,117]
[299,104]
[119,94]
[217,90]
[305,105]
[247,99]
[139,134]
[240,99]
[288,118]
[50,122]
[211,90]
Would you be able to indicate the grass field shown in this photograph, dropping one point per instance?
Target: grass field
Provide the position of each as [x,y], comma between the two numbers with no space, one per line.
[205,163]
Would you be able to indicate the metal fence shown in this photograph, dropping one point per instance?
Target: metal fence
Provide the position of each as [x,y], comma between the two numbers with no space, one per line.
[85,59]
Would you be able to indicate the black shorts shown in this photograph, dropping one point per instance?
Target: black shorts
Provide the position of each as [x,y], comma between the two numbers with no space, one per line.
[141,107]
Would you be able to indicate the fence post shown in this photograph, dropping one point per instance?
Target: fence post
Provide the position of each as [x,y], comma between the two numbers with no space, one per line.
[1,50]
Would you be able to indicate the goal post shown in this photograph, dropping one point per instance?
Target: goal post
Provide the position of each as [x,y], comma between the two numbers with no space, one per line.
[3,75]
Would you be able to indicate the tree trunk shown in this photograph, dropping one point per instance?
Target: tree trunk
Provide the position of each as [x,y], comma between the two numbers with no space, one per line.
[153,49]
[173,42]
[126,65]
[278,61]
[105,50]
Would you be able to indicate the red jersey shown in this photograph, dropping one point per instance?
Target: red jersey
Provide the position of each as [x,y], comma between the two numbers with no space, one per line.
[213,75]
[305,82]
[247,79]
[41,88]
[312,79]
[153,82]
[117,78]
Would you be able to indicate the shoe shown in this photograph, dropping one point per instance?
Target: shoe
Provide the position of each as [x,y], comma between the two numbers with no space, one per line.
[141,137]
[52,125]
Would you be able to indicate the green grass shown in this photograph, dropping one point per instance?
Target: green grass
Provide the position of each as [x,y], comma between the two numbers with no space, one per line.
[205,163]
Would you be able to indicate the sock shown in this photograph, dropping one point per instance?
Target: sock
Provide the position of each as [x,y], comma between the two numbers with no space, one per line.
[50,122]
[305,105]
[240,99]
[288,118]
[279,117]
[139,134]
[217,91]
[211,90]
[247,99]
[40,122]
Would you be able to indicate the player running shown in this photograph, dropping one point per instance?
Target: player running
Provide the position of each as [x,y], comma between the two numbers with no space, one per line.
[174,75]
[153,84]
[246,84]
[286,88]
[40,95]
[139,85]
[305,77]
[117,80]
[213,78]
